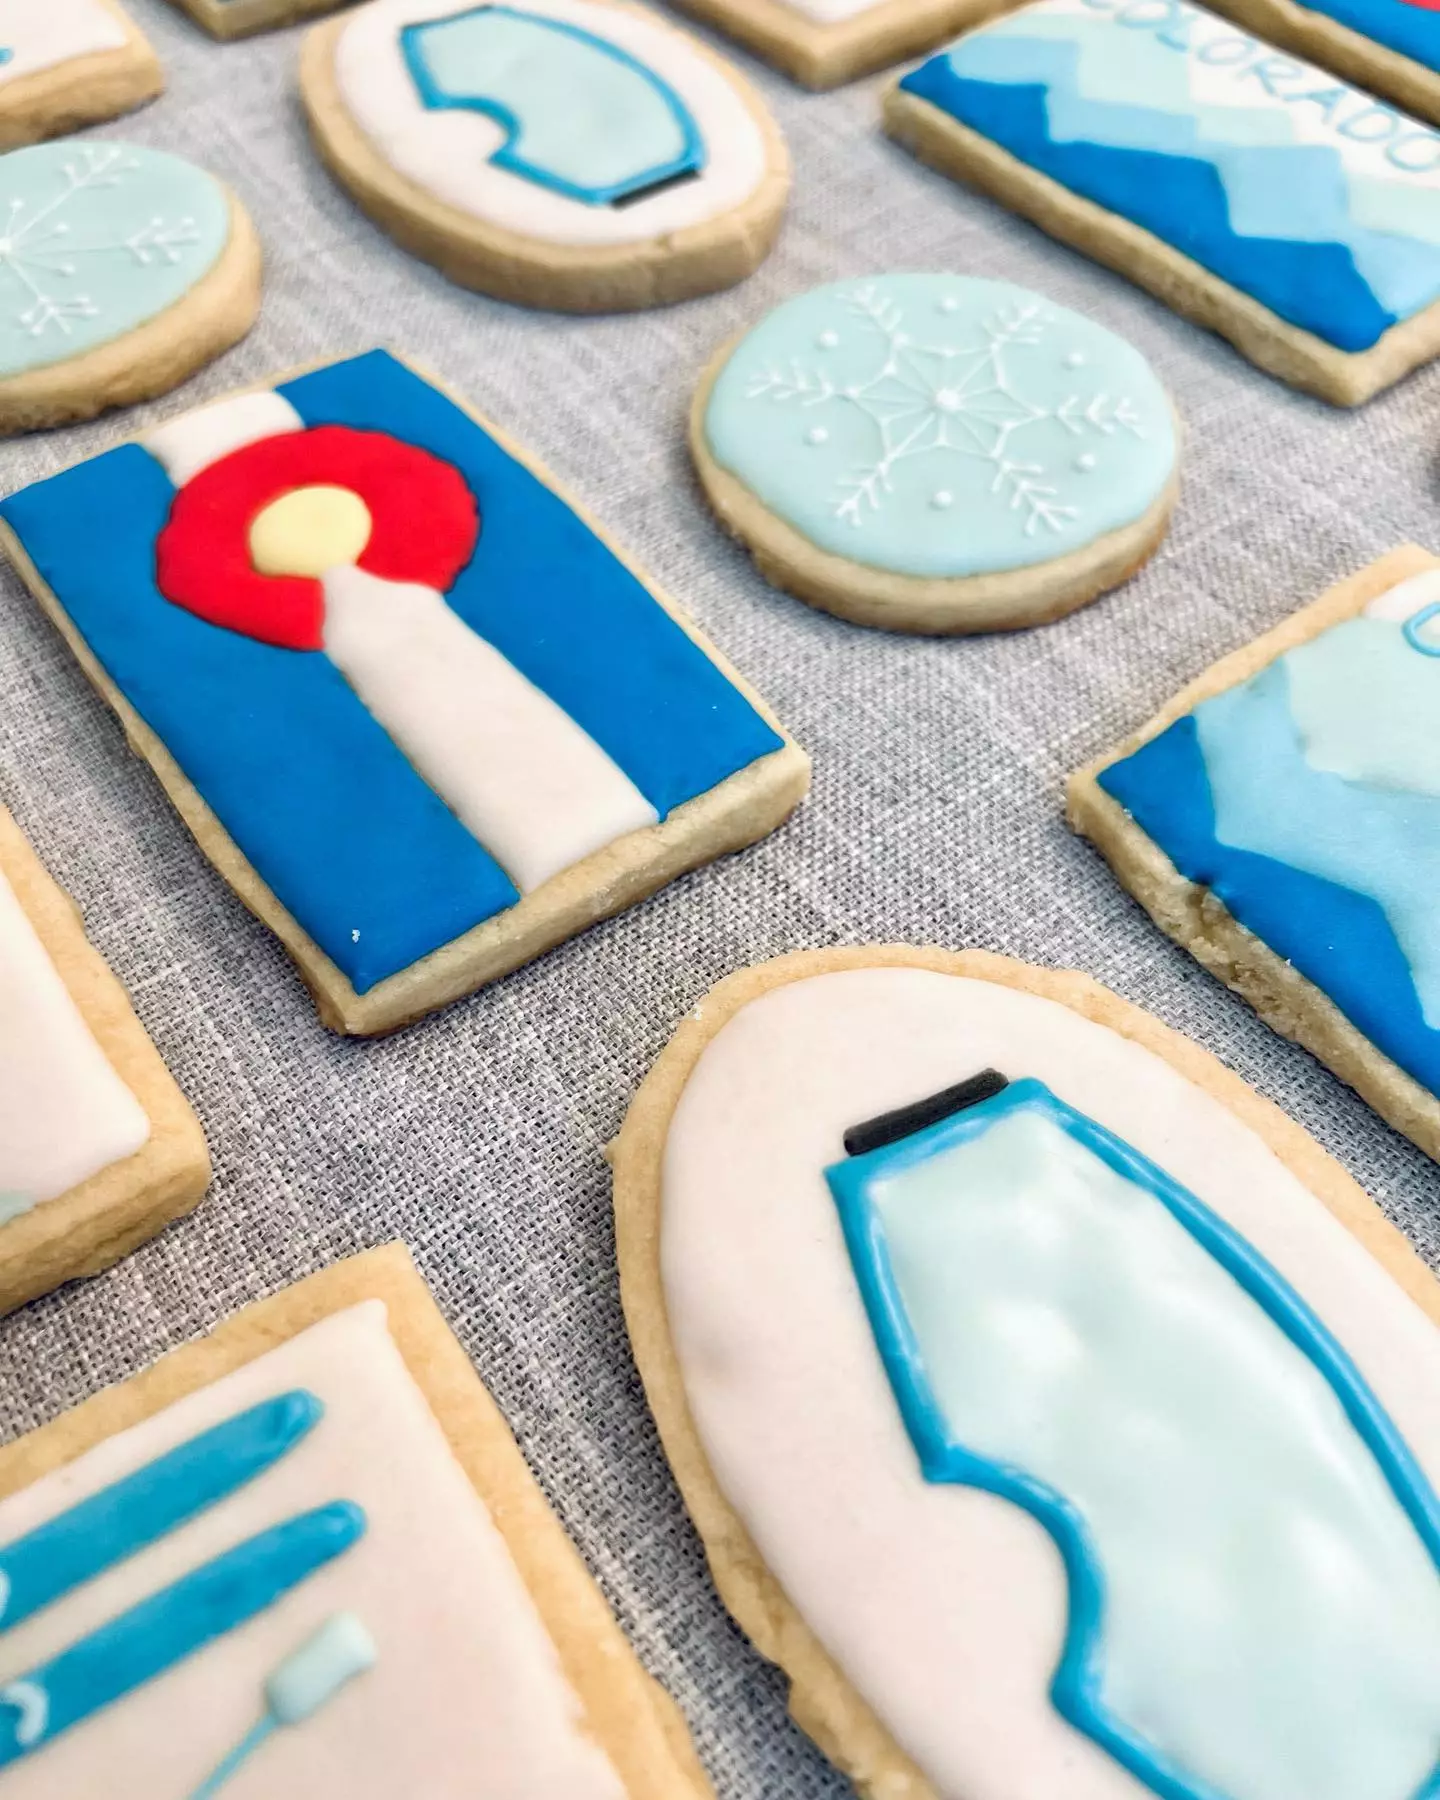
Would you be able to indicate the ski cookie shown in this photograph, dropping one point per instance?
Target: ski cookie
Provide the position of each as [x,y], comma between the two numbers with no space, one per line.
[1281,820]
[416,709]
[303,1559]
[69,63]
[1031,1381]
[123,270]
[1163,141]
[937,453]
[565,153]
[99,1149]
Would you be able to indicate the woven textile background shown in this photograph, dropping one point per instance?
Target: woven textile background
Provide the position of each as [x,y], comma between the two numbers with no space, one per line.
[935,817]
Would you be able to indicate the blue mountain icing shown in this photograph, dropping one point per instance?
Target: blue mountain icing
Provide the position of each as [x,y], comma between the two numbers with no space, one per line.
[1178,193]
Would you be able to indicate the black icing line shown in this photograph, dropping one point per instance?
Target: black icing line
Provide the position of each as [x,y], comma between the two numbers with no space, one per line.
[890,1127]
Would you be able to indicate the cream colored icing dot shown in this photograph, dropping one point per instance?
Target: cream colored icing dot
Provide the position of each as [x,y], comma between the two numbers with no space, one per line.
[309,530]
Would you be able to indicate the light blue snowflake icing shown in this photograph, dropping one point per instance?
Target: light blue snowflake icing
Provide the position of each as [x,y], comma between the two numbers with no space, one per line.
[940,425]
[96,238]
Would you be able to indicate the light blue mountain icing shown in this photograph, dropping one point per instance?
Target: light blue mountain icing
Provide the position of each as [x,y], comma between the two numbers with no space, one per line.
[6,55]
[12,1204]
[96,238]
[1253,1554]
[583,116]
[940,425]
[1366,706]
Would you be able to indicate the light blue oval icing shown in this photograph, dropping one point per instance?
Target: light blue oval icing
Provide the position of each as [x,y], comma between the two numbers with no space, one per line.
[96,238]
[584,117]
[1251,1548]
[941,425]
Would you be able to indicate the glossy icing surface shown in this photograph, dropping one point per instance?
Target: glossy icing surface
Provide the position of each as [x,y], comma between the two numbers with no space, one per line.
[1299,190]
[540,118]
[466,1699]
[98,237]
[1307,799]
[941,425]
[946,1606]
[33,38]
[65,1114]
[323,801]
[1408,27]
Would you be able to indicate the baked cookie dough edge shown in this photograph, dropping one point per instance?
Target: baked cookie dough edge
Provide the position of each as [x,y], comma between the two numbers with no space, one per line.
[82,90]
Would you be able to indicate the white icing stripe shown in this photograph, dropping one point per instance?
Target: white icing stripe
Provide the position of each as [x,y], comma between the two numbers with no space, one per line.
[196,439]
[447,151]
[1399,603]
[42,33]
[515,768]
[64,1112]
[467,1699]
[946,1606]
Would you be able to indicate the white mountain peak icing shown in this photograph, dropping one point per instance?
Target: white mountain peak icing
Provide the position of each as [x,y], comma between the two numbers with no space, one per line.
[967,398]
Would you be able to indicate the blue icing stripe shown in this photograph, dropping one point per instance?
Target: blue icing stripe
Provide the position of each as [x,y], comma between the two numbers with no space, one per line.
[1413,31]
[583,117]
[318,797]
[1337,938]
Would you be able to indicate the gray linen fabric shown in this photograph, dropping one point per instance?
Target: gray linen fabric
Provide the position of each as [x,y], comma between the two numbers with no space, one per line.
[935,817]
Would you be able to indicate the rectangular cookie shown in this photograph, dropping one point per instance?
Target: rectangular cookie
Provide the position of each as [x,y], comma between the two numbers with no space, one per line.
[99,1149]
[69,63]
[1281,820]
[416,708]
[352,1588]
[1259,196]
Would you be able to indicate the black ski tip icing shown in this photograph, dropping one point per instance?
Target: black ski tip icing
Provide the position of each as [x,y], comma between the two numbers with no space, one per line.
[890,1127]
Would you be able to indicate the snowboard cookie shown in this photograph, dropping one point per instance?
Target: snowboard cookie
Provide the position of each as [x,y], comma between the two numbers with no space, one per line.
[122,271]
[99,1149]
[416,709]
[303,1559]
[1163,141]
[937,453]
[68,63]
[1281,820]
[1054,1412]
[565,153]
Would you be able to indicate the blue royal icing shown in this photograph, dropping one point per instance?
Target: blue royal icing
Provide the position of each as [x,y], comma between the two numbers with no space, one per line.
[939,425]
[1258,1618]
[583,117]
[1408,28]
[320,800]
[97,239]
[1295,188]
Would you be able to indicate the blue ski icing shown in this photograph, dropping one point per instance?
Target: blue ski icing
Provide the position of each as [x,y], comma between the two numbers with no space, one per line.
[1049,1304]
[164,1629]
[138,1510]
[582,116]
[321,801]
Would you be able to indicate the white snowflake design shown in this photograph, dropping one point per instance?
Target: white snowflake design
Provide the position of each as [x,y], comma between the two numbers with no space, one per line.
[960,398]
[37,251]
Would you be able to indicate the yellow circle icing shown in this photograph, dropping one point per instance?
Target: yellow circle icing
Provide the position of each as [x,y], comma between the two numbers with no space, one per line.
[309,530]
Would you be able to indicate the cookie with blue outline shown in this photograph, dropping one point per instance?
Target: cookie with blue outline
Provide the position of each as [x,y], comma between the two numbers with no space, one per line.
[1276,819]
[575,154]
[1157,137]
[70,63]
[419,711]
[937,453]
[1056,1414]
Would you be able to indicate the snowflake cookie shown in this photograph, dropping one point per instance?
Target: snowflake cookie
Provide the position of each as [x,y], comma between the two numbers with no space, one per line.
[67,63]
[937,453]
[122,271]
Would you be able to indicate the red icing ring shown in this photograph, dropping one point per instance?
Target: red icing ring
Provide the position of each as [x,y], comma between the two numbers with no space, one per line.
[424,525]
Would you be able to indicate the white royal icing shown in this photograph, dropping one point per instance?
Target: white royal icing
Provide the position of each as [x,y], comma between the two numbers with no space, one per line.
[946,1606]
[467,1699]
[186,445]
[64,1112]
[447,152]
[41,33]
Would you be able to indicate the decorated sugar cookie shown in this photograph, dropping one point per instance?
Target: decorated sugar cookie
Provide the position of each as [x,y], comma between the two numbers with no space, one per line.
[98,1148]
[1280,820]
[303,1559]
[565,153]
[68,63]
[937,452]
[241,18]
[416,709]
[1158,138]
[122,271]
[1055,1413]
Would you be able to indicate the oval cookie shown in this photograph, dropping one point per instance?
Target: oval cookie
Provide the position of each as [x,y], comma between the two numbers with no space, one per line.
[122,271]
[561,153]
[1055,1413]
[937,453]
